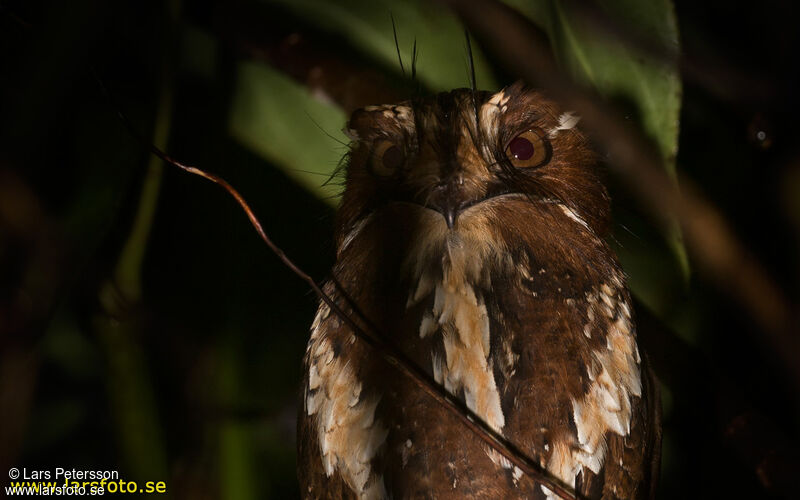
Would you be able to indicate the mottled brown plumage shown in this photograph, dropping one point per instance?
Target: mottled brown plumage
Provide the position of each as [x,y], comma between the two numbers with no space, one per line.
[477,247]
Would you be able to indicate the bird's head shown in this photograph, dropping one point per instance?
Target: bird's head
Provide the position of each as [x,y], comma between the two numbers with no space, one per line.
[466,154]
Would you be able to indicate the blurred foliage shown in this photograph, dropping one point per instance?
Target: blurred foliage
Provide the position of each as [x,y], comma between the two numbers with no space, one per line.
[442,62]
[186,365]
[292,142]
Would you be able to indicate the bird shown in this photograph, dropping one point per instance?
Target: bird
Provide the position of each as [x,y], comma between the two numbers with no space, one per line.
[472,233]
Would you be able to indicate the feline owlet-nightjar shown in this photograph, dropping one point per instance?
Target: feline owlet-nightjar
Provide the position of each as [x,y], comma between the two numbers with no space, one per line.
[471,234]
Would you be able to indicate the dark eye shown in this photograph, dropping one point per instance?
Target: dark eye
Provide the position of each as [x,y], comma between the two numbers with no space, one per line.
[387,158]
[529,149]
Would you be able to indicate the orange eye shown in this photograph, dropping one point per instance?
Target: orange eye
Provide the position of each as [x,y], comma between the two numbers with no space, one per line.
[387,158]
[529,149]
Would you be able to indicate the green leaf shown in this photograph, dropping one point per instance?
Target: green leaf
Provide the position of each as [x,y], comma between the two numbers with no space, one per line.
[281,121]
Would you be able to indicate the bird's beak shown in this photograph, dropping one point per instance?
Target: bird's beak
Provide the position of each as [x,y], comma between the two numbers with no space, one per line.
[449,198]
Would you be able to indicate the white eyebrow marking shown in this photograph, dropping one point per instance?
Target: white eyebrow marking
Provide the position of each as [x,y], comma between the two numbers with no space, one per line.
[490,115]
[566,121]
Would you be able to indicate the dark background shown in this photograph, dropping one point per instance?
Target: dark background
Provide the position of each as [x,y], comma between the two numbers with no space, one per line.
[191,376]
